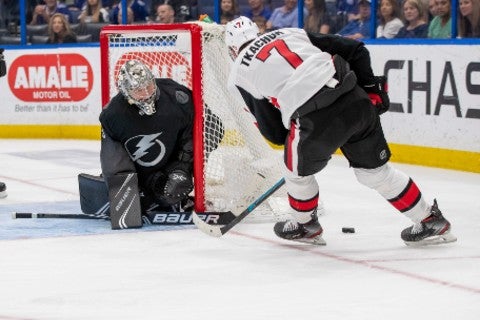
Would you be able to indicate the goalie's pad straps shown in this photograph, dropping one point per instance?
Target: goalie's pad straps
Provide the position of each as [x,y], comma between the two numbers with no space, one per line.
[124,196]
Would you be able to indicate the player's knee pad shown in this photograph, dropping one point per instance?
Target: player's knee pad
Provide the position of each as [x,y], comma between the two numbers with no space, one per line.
[385,179]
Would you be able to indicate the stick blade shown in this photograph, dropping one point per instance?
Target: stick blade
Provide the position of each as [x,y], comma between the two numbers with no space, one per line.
[214,230]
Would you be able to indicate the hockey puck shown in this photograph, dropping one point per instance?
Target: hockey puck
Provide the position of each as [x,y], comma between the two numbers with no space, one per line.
[348,230]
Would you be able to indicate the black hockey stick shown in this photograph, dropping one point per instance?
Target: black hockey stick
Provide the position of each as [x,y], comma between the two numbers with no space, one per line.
[157,217]
[46,215]
[218,230]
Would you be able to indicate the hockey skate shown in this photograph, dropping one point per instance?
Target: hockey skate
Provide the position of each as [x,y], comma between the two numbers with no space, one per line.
[310,232]
[434,229]
[3,190]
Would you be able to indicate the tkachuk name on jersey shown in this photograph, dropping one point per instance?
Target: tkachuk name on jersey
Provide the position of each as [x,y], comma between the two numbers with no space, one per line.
[182,218]
[258,44]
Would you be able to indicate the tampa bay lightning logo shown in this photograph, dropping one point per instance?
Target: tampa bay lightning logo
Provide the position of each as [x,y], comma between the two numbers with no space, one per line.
[146,150]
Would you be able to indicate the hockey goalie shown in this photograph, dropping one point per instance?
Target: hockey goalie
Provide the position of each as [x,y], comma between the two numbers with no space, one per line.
[146,149]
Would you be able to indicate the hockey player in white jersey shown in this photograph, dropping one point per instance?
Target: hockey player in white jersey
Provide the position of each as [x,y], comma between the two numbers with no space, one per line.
[315,93]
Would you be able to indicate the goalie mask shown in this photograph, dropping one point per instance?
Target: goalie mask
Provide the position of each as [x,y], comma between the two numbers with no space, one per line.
[137,84]
[238,32]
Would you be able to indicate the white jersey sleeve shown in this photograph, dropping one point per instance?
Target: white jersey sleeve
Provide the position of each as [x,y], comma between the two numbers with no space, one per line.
[284,67]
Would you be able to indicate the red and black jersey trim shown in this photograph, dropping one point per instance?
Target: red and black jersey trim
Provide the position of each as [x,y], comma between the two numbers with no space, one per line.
[303,205]
[408,198]
[289,152]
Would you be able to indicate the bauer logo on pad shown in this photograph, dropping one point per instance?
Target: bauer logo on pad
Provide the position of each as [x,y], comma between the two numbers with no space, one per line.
[125,211]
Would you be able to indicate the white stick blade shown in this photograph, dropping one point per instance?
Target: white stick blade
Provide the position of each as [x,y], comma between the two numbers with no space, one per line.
[211,230]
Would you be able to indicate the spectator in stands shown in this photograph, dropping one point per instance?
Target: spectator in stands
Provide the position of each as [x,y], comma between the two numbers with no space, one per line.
[228,11]
[469,19]
[44,12]
[107,4]
[350,8]
[257,8]
[226,17]
[359,28]
[389,19]
[331,7]
[261,23]
[182,8]
[59,30]
[441,25]
[138,7]
[130,15]
[9,14]
[317,19]
[432,9]
[93,11]
[285,16]
[415,24]
[165,14]
[79,4]
[3,11]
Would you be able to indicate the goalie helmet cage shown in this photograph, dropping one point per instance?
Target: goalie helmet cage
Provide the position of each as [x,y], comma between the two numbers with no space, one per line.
[244,165]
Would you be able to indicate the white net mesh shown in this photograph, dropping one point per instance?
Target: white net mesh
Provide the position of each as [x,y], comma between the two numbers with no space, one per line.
[243,166]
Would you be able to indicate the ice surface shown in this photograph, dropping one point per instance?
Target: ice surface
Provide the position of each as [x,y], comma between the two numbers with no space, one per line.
[77,269]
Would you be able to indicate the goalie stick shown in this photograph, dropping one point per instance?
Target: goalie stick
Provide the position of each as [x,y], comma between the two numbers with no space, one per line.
[32,215]
[218,230]
[155,218]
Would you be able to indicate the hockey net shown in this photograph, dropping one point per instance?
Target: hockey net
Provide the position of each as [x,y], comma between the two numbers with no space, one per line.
[244,165]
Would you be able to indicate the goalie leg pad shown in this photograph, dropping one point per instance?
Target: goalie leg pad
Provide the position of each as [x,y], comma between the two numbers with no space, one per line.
[124,196]
[93,195]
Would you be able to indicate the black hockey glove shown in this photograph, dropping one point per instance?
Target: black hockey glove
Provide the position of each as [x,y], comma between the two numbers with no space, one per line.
[179,185]
[156,183]
[378,93]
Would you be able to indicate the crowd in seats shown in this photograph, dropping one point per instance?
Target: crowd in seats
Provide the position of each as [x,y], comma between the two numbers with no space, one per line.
[358,28]
[8,39]
[92,12]
[469,18]
[349,18]
[185,10]
[165,14]
[285,16]
[59,30]
[389,22]
[229,10]
[416,20]
[317,19]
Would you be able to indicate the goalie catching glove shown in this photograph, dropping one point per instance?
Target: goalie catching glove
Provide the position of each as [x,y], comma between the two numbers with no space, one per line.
[172,188]
[378,93]
[179,185]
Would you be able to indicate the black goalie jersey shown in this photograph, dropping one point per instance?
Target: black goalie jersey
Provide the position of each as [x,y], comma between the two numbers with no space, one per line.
[146,144]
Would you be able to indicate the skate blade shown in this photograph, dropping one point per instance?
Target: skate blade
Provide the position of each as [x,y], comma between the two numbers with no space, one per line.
[434,240]
[318,241]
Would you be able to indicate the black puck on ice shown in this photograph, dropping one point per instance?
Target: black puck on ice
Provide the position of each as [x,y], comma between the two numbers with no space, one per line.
[348,230]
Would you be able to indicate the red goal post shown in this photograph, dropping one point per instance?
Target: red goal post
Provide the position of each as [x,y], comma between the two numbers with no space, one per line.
[243,166]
